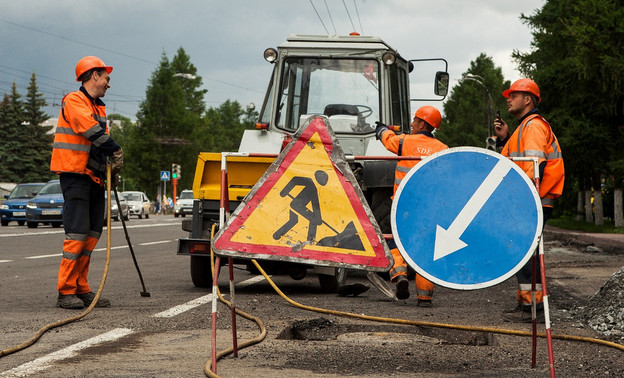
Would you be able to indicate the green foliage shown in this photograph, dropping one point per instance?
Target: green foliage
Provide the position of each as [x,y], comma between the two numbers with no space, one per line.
[569,223]
[468,112]
[173,127]
[578,60]
[25,151]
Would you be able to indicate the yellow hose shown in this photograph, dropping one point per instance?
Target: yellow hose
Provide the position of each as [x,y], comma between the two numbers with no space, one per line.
[256,340]
[209,373]
[431,324]
[50,326]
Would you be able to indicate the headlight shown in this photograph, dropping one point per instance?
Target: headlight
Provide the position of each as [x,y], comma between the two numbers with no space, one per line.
[3,206]
[31,205]
[270,55]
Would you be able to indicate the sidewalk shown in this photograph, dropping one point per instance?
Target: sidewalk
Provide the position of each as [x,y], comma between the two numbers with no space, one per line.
[609,242]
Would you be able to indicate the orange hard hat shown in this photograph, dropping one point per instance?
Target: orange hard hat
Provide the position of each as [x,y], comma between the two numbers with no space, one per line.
[430,115]
[90,62]
[524,85]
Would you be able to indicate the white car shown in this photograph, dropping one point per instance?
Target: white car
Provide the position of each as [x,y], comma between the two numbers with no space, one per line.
[184,204]
[138,203]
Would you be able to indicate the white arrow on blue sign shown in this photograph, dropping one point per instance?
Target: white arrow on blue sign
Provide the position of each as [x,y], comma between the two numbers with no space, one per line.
[466,218]
[164,175]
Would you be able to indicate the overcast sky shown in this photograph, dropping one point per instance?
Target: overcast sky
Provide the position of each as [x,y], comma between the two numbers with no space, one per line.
[225,39]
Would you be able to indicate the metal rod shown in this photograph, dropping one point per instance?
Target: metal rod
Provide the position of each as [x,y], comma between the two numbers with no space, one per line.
[144,293]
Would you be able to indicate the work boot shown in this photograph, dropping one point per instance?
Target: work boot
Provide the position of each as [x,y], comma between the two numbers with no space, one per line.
[522,315]
[87,298]
[424,303]
[69,301]
[402,288]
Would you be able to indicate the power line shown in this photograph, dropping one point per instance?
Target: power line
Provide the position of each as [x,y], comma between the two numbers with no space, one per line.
[319,17]
[358,16]
[348,14]
[76,41]
[330,17]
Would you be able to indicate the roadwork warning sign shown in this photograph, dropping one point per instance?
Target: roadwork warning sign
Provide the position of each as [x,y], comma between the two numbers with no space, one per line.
[307,208]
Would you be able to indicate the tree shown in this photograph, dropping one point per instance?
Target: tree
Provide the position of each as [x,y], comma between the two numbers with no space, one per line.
[37,150]
[466,110]
[227,124]
[577,61]
[34,104]
[167,124]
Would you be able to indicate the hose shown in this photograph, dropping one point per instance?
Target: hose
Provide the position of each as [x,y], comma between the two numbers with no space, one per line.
[432,324]
[256,340]
[209,373]
[37,336]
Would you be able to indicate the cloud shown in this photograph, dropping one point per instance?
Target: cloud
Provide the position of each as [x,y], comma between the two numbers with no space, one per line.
[225,40]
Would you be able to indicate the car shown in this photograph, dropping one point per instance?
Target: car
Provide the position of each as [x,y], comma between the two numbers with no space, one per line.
[14,208]
[138,202]
[125,209]
[47,206]
[184,204]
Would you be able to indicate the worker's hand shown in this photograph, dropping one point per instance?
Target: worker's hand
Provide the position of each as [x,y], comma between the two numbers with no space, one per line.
[114,180]
[117,161]
[500,128]
[380,129]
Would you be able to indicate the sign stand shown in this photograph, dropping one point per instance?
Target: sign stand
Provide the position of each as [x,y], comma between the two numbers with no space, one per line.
[439,237]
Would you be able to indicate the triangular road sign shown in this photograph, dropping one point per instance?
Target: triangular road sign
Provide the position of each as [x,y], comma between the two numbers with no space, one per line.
[307,208]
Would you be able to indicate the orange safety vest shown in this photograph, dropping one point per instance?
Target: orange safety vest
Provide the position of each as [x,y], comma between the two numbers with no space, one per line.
[420,144]
[73,152]
[535,138]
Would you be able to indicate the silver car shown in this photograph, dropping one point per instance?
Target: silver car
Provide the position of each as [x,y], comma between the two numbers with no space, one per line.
[139,203]
[115,213]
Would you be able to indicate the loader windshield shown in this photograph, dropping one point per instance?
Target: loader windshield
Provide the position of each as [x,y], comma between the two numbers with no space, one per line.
[344,90]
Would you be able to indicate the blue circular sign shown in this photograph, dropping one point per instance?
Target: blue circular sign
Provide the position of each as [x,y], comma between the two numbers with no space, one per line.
[466,218]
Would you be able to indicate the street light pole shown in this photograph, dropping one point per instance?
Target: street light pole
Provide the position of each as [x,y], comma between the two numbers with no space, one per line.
[489,142]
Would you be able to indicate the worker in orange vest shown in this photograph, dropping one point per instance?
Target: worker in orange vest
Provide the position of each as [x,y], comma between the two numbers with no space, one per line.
[533,138]
[420,142]
[81,148]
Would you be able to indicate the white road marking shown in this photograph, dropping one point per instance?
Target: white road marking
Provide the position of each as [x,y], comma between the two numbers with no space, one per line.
[158,242]
[45,362]
[184,307]
[201,300]
[5,261]
[43,256]
[37,233]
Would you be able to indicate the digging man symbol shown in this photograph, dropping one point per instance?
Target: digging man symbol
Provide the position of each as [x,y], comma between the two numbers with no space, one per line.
[307,195]
[306,203]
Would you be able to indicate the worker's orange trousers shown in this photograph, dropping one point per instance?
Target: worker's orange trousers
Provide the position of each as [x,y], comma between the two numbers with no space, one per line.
[424,287]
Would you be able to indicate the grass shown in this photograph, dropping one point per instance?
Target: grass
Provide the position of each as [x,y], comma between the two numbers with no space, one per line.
[572,224]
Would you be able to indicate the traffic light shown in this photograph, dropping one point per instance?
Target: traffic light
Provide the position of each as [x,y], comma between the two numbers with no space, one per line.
[176,171]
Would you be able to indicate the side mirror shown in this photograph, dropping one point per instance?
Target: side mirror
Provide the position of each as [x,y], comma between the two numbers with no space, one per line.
[441,83]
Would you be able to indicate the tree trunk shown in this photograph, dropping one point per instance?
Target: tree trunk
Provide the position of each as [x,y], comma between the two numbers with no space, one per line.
[579,206]
[598,208]
[618,216]
[589,215]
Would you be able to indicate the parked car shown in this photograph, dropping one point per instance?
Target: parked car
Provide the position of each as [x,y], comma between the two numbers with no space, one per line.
[184,204]
[138,202]
[125,209]
[14,207]
[47,206]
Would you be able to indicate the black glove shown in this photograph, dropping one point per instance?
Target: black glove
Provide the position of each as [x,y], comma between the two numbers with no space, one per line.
[114,181]
[380,129]
[117,161]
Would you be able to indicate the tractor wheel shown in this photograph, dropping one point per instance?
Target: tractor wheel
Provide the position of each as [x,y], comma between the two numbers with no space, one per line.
[201,273]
